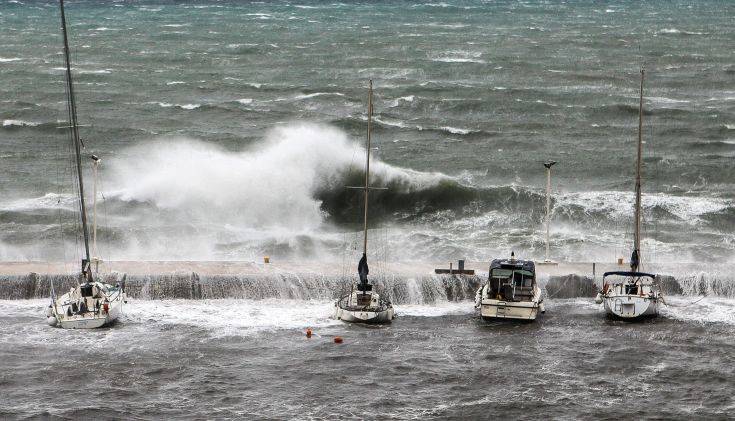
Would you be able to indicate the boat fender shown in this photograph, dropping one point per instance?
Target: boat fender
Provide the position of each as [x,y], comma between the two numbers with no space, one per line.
[106,307]
[49,311]
[598,298]
[51,321]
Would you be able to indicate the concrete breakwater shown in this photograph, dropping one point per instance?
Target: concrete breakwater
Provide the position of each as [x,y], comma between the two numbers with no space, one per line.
[403,284]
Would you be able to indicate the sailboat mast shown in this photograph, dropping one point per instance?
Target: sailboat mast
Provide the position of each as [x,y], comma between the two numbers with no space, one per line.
[367,166]
[637,234]
[74,125]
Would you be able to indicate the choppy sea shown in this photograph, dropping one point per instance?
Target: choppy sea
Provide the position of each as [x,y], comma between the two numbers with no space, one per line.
[228,131]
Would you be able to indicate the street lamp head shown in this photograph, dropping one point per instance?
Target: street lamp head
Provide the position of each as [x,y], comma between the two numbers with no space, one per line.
[548,164]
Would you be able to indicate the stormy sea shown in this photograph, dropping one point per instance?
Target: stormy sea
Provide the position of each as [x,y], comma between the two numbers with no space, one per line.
[228,131]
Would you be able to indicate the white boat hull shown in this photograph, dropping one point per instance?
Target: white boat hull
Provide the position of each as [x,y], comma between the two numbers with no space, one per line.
[517,310]
[359,307]
[352,316]
[104,309]
[630,307]
[495,309]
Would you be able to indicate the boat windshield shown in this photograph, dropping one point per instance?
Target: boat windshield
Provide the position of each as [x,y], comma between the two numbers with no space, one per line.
[511,285]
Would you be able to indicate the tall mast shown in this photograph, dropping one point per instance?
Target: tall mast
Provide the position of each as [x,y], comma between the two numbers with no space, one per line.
[367,166]
[637,234]
[74,125]
[548,166]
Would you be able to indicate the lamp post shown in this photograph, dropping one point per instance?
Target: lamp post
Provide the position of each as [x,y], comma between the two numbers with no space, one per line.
[548,166]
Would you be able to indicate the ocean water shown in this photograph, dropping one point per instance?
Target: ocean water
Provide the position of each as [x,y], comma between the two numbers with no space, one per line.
[228,129]
[250,359]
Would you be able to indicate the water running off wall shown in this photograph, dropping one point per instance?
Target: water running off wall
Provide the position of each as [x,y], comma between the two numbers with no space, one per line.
[426,289]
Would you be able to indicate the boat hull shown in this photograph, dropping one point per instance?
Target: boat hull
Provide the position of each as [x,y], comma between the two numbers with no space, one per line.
[630,307]
[106,309]
[360,316]
[92,321]
[495,309]
[363,307]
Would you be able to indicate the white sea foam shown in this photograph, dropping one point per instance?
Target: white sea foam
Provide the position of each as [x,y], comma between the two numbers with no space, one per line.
[619,204]
[679,31]
[458,60]
[230,317]
[245,101]
[10,59]
[18,123]
[270,187]
[95,72]
[455,130]
[444,308]
[175,82]
[317,94]
[396,102]
[47,201]
[700,309]
[182,106]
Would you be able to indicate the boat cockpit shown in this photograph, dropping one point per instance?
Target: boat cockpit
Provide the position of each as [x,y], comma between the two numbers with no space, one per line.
[514,281]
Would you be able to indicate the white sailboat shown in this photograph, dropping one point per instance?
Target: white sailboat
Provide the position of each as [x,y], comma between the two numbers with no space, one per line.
[511,291]
[633,294]
[91,304]
[362,304]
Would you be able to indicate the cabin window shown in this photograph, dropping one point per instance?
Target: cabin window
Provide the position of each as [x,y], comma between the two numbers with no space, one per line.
[508,284]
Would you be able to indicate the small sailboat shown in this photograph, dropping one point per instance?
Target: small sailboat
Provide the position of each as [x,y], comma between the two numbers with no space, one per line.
[633,294]
[511,291]
[91,304]
[362,304]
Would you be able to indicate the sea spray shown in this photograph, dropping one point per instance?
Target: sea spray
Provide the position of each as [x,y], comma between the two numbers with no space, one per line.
[401,289]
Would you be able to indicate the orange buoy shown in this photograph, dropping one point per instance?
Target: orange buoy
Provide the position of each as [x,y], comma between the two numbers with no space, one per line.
[308,333]
[338,339]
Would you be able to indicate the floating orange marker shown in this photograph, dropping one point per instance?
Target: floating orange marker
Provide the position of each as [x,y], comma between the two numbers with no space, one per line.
[338,339]
[308,333]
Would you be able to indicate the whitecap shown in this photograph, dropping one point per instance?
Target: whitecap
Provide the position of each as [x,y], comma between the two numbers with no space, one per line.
[175,82]
[8,60]
[245,101]
[95,72]
[316,94]
[396,102]
[18,123]
[455,130]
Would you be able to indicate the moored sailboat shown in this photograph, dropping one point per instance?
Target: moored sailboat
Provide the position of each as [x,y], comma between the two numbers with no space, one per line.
[362,303]
[91,304]
[633,294]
